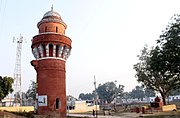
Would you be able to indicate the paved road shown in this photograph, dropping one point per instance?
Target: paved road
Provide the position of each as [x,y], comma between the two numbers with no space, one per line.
[124,115]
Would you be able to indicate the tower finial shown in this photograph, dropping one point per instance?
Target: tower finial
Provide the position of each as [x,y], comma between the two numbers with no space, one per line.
[52,7]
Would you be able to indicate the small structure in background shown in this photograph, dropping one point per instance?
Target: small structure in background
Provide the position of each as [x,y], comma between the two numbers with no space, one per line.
[157,104]
[7,101]
[80,106]
[174,98]
[70,102]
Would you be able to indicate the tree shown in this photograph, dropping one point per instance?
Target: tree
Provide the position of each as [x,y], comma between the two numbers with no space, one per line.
[138,92]
[175,92]
[149,92]
[5,86]
[108,91]
[31,92]
[120,91]
[87,96]
[159,67]
[126,96]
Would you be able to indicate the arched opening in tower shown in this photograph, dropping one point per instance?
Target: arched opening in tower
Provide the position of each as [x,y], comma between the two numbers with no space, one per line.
[50,50]
[57,103]
[44,50]
[57,50]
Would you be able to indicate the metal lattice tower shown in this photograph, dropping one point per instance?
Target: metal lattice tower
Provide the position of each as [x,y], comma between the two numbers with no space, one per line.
[17,72]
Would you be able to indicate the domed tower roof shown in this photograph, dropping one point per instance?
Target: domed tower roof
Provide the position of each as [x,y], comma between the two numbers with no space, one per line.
[52,16]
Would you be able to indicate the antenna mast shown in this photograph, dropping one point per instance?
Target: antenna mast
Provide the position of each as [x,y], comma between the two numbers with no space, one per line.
[17,72]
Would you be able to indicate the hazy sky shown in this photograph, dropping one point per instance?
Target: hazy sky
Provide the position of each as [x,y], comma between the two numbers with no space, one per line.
[107,35]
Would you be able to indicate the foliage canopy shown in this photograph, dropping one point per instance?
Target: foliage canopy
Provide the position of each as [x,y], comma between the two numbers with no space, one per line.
[108,91]
[5,86]
[159,67]
[31,92]
[87,96]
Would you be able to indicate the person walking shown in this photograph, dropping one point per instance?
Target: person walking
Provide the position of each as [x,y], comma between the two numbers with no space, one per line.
[93,113]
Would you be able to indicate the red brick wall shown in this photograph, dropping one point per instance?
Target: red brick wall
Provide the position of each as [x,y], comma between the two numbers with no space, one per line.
[51,82]
[51,27]
[51,38]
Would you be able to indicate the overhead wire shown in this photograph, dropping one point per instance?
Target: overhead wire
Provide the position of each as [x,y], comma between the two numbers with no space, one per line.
[2,12]
[0,5]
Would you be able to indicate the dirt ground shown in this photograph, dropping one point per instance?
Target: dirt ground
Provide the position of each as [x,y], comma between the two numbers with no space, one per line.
[9,115]
[172,114]
[175,114]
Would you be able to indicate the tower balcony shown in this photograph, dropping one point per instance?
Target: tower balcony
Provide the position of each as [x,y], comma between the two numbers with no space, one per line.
[45,46]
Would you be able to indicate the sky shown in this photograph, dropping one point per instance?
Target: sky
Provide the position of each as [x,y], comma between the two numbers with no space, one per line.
[107,36]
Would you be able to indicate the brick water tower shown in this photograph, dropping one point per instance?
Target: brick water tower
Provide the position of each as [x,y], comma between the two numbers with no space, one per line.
[51,48]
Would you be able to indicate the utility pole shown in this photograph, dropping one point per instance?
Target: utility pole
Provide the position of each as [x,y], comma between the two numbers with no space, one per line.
[96,99]
[115,96]
[17,72]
